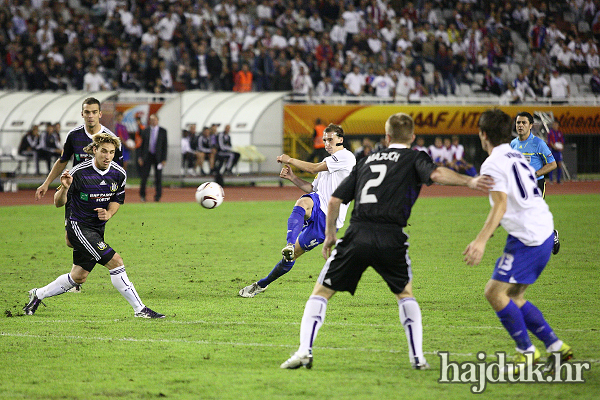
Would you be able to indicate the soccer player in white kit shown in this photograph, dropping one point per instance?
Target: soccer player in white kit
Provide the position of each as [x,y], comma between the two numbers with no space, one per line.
[306,224]
[517,205]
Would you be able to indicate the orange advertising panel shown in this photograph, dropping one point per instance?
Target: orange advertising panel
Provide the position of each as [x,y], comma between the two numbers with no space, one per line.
[429,119]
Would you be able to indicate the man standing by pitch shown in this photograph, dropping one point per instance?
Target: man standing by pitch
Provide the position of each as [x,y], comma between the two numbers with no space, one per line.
[152,153]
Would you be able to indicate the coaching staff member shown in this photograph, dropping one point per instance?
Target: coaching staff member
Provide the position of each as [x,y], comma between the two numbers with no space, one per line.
[152,153]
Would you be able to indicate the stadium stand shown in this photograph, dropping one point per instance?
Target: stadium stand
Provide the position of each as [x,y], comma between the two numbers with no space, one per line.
[174,46]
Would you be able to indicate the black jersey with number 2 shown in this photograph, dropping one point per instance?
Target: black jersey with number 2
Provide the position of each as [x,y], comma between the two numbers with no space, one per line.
[386,184]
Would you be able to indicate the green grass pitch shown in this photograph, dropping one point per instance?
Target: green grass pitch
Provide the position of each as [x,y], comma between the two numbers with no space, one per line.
[189,263]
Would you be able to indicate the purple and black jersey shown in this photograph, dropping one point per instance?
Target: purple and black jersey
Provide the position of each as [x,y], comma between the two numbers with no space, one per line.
[77,139]
[94,188]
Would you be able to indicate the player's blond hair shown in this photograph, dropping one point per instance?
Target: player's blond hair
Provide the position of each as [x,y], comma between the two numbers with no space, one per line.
[400,127]
[100,138]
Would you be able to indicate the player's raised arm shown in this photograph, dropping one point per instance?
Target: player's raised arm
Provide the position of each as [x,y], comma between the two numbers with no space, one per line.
[305,166]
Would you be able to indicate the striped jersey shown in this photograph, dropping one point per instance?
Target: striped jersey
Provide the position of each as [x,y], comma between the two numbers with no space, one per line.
[77,139]
[94,188]
[535,150]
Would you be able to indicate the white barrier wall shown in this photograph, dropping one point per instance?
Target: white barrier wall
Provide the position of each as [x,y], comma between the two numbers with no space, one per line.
[255,118]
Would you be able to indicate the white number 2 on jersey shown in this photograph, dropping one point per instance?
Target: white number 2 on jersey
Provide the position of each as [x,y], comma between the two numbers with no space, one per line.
[365,197]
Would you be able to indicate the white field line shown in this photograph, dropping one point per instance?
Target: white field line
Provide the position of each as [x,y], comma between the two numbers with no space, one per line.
[204,322]
[216,343]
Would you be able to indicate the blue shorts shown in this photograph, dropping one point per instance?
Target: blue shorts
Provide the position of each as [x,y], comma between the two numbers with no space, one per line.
[313,230]
[557,156]
[520,263]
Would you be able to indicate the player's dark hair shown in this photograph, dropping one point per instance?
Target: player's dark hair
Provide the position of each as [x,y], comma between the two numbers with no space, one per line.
[400,127]
[90,101]
[497,125]
[335,129]
[100,138]
[526,115]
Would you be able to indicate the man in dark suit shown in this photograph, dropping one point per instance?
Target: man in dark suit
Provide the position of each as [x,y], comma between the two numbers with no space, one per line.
[152,152]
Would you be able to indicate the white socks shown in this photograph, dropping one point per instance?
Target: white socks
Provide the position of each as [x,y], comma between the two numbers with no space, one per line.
[119,279]
[410,317]
[60,285]
[313,318]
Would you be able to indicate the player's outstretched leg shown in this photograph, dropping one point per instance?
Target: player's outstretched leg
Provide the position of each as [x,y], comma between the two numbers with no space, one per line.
[312,320]
[410,317]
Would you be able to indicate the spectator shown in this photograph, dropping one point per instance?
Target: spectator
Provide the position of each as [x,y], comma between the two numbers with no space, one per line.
[364,150]
[420,145]
[324,88]
[383,84]
[405,86]
[595,81]
[436,151]
[282,80]
[556,142]
[354,82]
[94,81]
[559,88]
[302,83]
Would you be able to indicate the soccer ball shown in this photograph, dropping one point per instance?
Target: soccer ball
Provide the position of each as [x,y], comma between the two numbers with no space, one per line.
[559,146]
[210,195]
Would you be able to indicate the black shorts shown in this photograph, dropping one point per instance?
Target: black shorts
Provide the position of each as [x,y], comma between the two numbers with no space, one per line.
[541,183]
[383,248]
[89,248]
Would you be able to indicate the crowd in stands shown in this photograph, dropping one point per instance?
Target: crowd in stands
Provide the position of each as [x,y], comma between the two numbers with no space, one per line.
[391,49]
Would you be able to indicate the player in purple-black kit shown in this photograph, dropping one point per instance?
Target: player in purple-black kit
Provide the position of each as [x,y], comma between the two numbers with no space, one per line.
[517,205]
[96,190]
[77,139]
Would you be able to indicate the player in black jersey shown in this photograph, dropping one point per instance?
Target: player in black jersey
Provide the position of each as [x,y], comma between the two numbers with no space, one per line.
[96,189]
[384,186]
[77,139]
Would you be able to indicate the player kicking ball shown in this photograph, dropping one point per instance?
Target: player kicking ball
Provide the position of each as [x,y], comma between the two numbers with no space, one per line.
[306,224]
[518,205]
[384,187]
[96,190]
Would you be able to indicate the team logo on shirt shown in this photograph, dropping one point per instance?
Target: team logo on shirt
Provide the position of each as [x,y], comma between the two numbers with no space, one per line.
[102,245]
[113,187]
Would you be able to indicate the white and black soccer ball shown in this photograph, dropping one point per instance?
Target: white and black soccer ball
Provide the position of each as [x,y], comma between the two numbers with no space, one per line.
[210,195]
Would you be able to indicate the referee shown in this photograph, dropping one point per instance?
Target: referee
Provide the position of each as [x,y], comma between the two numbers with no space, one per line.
[384,186]
[537,152]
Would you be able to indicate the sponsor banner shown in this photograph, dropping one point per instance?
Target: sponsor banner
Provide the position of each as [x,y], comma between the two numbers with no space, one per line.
[429,119]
